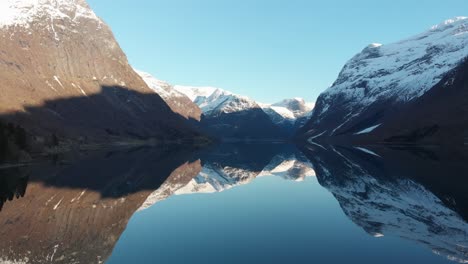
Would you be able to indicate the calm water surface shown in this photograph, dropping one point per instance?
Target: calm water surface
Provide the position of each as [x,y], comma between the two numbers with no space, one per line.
[239,204]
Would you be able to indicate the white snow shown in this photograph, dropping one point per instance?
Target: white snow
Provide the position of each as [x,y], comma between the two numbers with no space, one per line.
[215,178]
[51,86]
[284,112]
[316,136]
[193,92]
[368,151]
[213,101]
[162,88]
[404,70]
[288,110]
[368,130]
[289,168]
[24,12]
[401,207]
[56,78]
[57,205]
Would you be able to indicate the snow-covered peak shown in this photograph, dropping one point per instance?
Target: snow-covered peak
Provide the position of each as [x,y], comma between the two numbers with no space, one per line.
[194,92]
[288,110]
[214,100]
[24,12]
[448,22]
[297,105]
[374,45]
[403,70]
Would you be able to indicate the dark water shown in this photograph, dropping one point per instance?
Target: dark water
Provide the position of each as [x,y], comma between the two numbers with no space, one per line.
[252,203]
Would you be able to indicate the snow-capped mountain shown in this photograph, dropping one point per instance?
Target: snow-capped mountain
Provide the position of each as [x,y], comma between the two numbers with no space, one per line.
[64,76]
[215,101]
[290,114]
[287,115]
[22,13]
[179,102]
[231,116]
[382,79]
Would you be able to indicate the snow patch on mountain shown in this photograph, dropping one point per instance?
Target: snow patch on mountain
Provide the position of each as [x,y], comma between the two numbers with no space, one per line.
[368,130]
[22,13]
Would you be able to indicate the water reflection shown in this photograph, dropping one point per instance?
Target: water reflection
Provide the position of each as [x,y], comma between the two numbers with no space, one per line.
[75,212]
[417,194]
[227,166]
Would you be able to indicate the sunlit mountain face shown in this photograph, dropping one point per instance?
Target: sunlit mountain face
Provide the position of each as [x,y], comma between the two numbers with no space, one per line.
[121,206]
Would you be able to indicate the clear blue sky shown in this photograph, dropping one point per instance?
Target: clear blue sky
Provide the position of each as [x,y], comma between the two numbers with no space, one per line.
[265,49]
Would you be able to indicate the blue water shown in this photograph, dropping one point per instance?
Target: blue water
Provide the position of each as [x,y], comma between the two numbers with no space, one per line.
[270,220]
[239,203]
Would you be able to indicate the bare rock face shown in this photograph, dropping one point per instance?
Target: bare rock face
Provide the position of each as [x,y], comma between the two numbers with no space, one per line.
[64,73]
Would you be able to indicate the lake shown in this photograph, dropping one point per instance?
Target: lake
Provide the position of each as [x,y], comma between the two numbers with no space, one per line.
[239,203]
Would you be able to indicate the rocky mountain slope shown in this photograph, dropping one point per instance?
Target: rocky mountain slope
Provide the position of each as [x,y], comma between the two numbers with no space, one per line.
[384,83]
[65,76]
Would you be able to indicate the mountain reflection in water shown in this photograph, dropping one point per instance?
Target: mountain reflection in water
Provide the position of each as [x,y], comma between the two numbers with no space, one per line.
[75,212]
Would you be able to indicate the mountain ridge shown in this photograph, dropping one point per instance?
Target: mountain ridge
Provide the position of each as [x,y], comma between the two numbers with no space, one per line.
[379,82]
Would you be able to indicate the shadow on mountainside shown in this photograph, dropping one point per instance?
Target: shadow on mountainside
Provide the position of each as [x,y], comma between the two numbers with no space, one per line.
[253,124]
[114,114]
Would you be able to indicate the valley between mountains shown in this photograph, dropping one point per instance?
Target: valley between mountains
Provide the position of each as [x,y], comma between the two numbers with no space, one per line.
[66,83]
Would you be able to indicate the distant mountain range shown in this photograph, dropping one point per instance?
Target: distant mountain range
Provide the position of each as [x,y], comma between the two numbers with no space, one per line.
[412,91]
[226,115]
